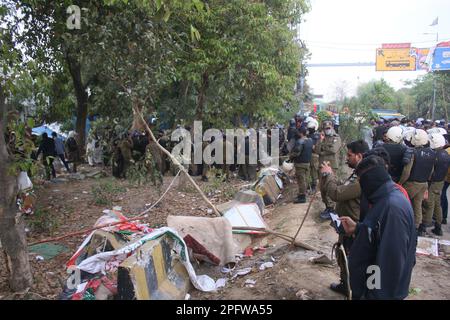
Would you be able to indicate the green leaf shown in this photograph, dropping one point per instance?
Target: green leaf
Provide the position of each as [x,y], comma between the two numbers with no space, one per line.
[195,35]
[167,14]
[198,5]
[158,4]
[30,123]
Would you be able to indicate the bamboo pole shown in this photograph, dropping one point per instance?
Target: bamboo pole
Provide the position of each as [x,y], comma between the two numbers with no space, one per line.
[178,164]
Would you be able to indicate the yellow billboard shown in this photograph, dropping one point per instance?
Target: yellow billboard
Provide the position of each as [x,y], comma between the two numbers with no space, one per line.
[401,59]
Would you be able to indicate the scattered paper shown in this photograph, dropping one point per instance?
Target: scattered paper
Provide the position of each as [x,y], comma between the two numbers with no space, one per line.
[250,283]
[266,265]
[242,272]
[221,282]
[427,246]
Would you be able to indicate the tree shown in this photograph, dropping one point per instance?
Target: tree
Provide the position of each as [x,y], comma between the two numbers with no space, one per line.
[422,91]
[12,232]
[376,95]
[341,90]
[243,60]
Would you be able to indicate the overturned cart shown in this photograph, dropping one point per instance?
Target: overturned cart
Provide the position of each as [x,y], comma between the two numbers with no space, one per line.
[131,261]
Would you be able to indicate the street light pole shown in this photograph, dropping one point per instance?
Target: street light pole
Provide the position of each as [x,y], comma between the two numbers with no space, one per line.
[433,107]
[434,86]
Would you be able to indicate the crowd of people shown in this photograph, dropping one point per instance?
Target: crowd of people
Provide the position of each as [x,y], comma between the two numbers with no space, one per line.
[396,190]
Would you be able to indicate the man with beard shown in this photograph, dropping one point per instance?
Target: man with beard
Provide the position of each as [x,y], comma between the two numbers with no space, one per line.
[347,197]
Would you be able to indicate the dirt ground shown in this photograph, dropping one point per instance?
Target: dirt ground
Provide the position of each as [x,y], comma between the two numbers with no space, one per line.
[293,276]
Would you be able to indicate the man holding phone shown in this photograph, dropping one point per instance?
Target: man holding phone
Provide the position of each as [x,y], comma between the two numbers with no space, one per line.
[347,197]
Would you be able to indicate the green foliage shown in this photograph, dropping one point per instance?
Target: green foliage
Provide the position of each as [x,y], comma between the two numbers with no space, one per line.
[376,95]
[105,192]
[213,60]
[417,101]
[20,145]
[216,178]
[322,116]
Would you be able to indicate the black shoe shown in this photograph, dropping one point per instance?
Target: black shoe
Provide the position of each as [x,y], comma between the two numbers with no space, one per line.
[325,215]
[339,288]
[204,178]
[300,199]
[444,221]
[437,230]
[421,231]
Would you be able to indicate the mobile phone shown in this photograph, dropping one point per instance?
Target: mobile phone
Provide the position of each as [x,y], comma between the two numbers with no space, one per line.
[336,223]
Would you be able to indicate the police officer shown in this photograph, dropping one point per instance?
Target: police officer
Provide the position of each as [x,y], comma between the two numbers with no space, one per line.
[418,173]
[292,130]
[399,154]
[328,150]
[301,156]
[126,146]
[312,126]
[347,197]
[432,204]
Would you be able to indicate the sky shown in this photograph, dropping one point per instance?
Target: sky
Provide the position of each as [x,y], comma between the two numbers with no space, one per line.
[337,31]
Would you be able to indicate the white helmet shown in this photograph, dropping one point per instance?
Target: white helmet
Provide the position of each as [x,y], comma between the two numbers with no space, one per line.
[419,138]
[395,134]
[437,140]
[407,133]
[442,131]
[434,130]
[308,119]
[313,124]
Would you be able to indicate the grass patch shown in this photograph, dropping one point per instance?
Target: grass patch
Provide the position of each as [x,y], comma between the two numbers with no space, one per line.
[105,192]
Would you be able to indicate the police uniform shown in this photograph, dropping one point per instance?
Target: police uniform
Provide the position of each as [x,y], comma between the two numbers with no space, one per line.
[301,155]
[153,163]
[347,197]
[328,150]
[432,204]
[314,165]
[125,146]
[417,182]
[396,153]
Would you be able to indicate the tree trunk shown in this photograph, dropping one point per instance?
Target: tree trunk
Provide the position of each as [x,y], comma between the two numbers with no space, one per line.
[82,100]
[202,97]
[12,231]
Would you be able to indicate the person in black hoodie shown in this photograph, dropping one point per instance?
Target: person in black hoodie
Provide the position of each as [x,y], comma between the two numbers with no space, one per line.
[48,149]
[383,253]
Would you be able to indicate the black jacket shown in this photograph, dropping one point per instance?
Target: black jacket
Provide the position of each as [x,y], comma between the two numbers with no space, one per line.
[302,151]
[47,147]
[386,238]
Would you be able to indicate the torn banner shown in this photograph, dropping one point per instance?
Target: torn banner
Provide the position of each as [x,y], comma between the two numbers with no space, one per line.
[109,261]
